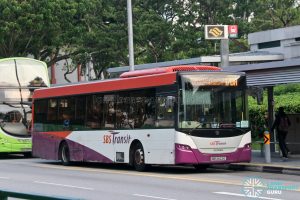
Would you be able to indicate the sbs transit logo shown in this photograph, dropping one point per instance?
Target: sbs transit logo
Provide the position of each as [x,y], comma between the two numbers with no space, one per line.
[112,138]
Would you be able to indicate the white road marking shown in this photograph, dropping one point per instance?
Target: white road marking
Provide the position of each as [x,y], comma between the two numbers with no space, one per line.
[242,195]
[153,197]
[4,178]
[70,186]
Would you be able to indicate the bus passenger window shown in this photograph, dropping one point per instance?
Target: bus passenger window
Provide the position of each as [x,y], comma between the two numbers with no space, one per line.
[109,111]
[80,110]
[66,112]
[123,105]
[52,110]
[165,110]
[143,109]
[40,111]
[149,113]
[94,112]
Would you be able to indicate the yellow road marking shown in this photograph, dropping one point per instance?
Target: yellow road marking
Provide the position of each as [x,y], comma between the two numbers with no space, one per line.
[146,174]
[267,165]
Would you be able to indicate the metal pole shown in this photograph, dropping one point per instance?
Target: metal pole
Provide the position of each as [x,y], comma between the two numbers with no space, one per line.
[130,35]
[271,116]
[267,147]
[224,52]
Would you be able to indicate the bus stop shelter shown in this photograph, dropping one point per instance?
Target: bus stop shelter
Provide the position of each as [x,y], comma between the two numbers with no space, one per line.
[267,75]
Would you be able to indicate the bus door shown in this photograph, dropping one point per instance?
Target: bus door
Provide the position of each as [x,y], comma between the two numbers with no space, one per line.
[162,145]
[105,109]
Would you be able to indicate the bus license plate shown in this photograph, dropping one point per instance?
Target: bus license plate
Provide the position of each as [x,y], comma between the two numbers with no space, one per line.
[218,158]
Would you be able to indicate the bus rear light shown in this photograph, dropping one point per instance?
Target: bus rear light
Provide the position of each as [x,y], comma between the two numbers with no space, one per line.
[248,146]
[184,147]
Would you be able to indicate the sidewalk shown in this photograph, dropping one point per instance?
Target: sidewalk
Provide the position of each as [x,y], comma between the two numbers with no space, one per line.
[277,165]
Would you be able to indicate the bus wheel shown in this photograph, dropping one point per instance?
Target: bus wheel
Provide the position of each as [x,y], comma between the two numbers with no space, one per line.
[65,154]
[139,158]
[27,154]
[201,167]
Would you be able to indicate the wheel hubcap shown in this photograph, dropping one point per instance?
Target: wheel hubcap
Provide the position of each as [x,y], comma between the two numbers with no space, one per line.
[64,152]
[139,157]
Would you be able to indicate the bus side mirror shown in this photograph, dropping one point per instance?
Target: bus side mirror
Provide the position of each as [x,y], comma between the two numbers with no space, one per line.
[257,93]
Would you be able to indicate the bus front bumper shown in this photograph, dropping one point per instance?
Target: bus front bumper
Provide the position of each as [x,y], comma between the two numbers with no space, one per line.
[185,155]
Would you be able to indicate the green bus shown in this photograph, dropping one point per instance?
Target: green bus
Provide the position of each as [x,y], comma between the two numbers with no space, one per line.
[19,77]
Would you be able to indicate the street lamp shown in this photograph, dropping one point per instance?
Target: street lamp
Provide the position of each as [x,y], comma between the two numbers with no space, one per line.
[130,35]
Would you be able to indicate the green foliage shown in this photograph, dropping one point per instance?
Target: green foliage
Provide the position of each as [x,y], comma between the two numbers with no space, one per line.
[96,30]
[284,89]
[276,14]
[257,117]
[287,96]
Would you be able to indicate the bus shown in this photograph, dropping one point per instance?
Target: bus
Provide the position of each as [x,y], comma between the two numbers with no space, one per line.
[178,115]
[19,77]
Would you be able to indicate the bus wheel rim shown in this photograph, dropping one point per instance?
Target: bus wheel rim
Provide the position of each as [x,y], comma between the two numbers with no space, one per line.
[64,152]
[138,157]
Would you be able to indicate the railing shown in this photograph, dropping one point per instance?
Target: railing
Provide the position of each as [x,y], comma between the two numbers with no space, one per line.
[261,143]
[4,194]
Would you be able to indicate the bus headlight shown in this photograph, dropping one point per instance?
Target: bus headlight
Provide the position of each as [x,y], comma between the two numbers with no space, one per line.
[184,147]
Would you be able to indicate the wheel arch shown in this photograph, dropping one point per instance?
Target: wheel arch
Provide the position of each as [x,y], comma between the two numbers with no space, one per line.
[131,148]
[61,143]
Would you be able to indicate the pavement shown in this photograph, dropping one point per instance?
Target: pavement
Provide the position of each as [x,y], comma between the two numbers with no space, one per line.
[277,164]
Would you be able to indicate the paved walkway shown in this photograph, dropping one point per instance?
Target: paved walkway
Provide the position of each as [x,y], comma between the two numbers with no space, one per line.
[277,165]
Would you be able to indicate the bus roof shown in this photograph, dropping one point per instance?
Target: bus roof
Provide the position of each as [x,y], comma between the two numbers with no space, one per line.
[23,58]
[107,85]
[169,69]
[129,80]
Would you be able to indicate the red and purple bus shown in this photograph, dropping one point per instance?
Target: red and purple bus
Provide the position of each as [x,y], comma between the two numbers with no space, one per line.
[179,115]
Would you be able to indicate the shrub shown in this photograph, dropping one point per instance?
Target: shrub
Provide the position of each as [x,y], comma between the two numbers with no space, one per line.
[287,96]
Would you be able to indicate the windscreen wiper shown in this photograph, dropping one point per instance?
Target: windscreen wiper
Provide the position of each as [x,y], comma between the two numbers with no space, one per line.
[194,129]
[24,121]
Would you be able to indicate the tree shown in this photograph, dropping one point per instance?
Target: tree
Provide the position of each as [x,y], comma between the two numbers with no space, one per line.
[276,14]
[105,43]
[95,31]
[153,30]
[49,30]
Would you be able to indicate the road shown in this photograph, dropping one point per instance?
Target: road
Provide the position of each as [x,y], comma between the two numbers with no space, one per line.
[99,181]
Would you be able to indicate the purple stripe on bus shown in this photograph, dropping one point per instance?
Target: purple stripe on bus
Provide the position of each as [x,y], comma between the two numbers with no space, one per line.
[194,156]
[83,153]
[47,147]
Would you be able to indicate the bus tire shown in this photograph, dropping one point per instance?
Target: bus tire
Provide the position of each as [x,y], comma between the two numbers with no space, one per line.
[27,154]
[64,154]
[138,157]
